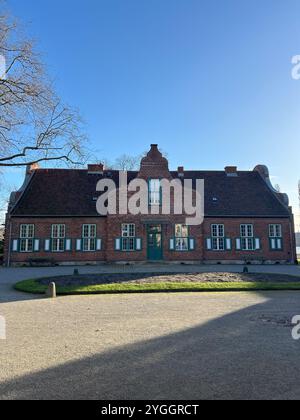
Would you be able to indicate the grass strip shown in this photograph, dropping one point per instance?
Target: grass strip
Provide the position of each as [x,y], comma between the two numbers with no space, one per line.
[34,287]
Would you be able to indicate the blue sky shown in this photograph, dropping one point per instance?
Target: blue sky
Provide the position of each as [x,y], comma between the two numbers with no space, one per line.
[210,81]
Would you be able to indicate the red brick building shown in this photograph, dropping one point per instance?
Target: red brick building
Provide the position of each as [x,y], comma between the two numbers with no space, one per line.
[53,218]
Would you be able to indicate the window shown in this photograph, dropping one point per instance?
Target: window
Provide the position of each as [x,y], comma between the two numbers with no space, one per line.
[181,237]
[89,233]
[218,237]
[128,237]
[154,192]
[275,231]
[275,236]
[247,240]
[58,238]
[26,238]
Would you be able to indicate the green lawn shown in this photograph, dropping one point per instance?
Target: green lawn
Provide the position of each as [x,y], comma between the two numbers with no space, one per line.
[33,286]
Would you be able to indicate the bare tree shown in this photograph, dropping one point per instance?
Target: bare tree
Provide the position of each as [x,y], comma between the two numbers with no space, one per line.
[127,163]
[34,124]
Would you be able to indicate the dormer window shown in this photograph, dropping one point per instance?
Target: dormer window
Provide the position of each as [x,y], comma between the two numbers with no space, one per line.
[154,192]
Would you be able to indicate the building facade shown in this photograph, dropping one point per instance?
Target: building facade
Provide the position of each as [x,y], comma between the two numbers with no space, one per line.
[53,219]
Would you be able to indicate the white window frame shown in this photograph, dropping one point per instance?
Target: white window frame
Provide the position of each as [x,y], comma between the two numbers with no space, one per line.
[181,237]
[275,237]
[89,237]
[58,236]
[247,237]
[128,243]
[128,230]
[218,237]
[27,238]
[155,192]
[275,230]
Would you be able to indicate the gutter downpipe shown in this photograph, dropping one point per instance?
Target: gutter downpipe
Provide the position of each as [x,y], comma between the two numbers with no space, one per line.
[9,243]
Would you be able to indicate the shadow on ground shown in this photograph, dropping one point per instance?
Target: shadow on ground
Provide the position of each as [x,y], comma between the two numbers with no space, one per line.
[244,355]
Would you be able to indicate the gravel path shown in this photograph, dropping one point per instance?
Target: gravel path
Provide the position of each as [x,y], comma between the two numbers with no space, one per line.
[164,346]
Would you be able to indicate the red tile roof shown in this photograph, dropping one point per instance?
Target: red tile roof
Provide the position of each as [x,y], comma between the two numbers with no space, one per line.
[71,192]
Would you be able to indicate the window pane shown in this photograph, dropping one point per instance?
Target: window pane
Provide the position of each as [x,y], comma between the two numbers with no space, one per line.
[178,231]
[221,230]
[27,231]
[250,230]
[23,231]
[58,231]
[124,230]
[85,231]
[181,231]
[128,230]
[185,231]
[278,231]
[23,245]
[30,245]
[89,231]
[215,244]
[154,191]
[218,231]
[92,244]
[243,230]
[246,231]
[215,230]
[93,231]
[62,231]
[131,230]
[182,244]
[128,244]
[58,245]
[30,231]
[221,244]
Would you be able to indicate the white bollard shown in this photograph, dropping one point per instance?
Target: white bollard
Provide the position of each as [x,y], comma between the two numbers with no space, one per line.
[51,291]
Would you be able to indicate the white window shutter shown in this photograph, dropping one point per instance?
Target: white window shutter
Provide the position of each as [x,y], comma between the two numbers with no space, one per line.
[192,244]
[68,245]
[99,245]
[118,244]
[238,243]
[172,244]
[36,245]
[15,245]
[257,243]
[78,245]
[138,244]
[228,243]
[208,243]
[47,245]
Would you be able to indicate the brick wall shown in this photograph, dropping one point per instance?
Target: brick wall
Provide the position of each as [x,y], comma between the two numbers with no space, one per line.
[154,165]
[261,231]
[43,232]
[108,229]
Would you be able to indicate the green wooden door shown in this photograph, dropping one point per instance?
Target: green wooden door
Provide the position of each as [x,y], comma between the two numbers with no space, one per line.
[155,250]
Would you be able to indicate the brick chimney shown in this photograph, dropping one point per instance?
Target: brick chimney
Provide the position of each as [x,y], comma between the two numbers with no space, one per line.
[97,169]
[181,171]
[31,168]
[231,171]
[154,165]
